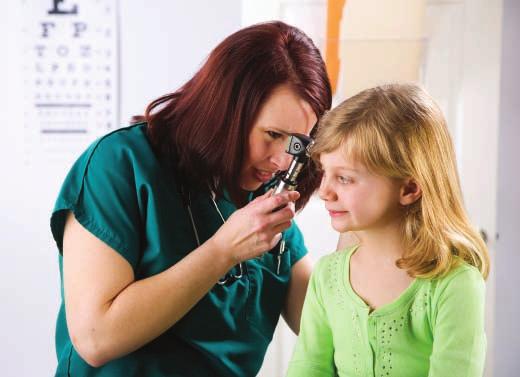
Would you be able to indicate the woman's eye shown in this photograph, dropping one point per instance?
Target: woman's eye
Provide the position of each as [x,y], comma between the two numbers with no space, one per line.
[274,135]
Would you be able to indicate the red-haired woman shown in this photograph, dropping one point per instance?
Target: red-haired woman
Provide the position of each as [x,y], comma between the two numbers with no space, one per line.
[163,227]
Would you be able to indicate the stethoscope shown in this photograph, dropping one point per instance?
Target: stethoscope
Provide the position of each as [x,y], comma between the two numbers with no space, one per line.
[229,277]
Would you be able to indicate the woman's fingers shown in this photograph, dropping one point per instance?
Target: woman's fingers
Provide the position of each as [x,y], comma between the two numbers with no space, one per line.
[269,204]
[280,216]
[281,227]
[256,228]
[267,194]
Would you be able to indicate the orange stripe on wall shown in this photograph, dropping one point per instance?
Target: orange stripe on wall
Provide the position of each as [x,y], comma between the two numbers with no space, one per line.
[334,13]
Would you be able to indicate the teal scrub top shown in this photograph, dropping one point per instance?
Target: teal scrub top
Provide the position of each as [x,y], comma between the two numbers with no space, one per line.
[119,191]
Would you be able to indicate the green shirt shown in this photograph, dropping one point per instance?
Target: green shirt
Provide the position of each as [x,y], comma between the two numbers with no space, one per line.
[435,328]
[120,192]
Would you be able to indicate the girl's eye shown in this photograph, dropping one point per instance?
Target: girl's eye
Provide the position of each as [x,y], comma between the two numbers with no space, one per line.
[344,180]
[274,135]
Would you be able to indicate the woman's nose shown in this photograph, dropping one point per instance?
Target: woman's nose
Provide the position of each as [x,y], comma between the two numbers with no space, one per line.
[281,159]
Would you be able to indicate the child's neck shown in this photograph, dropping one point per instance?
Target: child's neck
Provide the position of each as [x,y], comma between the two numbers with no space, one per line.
[384,242]
[374,275]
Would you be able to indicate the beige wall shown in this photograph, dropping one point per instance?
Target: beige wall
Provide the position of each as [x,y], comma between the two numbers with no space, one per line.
[381,41]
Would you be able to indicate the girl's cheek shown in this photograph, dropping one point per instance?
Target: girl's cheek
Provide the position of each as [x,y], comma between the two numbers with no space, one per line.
[353,196]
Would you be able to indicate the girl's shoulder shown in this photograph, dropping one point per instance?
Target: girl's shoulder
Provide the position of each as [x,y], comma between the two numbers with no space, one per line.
[460,271]
[335,257]
[462,279]
[332,264]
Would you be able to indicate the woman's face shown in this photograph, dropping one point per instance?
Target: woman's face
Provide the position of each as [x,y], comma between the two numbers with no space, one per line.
[282,113]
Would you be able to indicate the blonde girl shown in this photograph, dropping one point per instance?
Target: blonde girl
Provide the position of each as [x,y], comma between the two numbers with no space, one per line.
[408,299]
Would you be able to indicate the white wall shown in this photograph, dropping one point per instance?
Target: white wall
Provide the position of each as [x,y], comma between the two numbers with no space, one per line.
[507,260]
[461,70]
[162,44]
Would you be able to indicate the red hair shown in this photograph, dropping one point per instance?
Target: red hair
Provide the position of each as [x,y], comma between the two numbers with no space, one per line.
[202,129]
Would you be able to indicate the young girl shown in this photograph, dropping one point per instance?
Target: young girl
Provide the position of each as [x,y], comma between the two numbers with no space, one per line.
[408,300]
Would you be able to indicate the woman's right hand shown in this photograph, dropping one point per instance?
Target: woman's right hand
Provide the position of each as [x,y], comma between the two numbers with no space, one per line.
[255,229]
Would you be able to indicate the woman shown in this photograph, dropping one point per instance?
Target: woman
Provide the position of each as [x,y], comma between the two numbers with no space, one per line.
[163,227]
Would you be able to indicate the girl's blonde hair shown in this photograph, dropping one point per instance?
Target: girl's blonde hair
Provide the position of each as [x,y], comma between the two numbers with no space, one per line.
[398,131]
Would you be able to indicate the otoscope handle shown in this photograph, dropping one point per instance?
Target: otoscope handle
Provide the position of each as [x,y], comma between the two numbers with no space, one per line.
[299,148]
[283,186]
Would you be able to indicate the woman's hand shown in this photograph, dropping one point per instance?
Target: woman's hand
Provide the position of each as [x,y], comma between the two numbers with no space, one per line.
[255,229]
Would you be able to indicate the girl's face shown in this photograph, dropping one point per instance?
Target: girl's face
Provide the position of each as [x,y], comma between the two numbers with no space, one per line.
[355,198]
[282,113]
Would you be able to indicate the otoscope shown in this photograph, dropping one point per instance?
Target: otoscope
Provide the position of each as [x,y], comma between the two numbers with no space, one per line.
[298,147]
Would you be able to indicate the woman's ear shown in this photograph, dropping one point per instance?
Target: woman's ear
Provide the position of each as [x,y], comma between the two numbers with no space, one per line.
[410,192]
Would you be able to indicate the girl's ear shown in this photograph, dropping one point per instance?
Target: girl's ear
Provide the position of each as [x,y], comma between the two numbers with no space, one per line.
[410,192]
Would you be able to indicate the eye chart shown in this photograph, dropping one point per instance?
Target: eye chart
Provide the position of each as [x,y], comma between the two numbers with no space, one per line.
[69,54]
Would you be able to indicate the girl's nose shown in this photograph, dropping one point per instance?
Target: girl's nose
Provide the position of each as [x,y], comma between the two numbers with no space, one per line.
[325,192]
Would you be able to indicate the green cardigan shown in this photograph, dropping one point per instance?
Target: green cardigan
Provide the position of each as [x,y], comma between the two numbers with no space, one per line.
[435,328]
